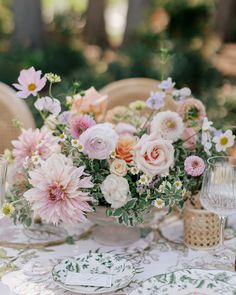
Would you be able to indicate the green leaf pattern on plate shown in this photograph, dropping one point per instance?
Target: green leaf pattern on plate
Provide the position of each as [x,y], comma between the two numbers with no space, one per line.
[101,263]
[220,283]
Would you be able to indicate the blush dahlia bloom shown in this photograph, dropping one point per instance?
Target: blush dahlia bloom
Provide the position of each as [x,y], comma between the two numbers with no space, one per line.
[99,141]
[169,124]
[194,165]
[57,191]
[30,83]
[79,124]
[30,142]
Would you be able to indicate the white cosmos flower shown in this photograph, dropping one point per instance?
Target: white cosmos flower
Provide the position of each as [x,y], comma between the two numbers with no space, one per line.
[224,141]
[206,125]
[169,124]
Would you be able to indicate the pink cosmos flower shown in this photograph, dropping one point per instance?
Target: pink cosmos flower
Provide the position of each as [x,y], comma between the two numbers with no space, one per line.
[57,191]
[79,124]
[194,165]
[30,82]
[191,109]
[99,141]
[30,142]
[189,138]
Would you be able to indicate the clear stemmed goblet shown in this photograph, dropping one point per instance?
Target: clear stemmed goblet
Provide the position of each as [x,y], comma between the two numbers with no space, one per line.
[218,193]
[3,174]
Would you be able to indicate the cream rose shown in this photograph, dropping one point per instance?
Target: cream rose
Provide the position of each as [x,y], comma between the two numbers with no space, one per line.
[115,190]
[118,167]
[153,155]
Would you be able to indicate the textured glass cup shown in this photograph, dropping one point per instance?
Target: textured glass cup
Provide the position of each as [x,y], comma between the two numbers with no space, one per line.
[3,175]
[218,194]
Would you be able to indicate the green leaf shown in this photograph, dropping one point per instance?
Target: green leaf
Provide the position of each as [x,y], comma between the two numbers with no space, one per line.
[70,240]
[131,203]
[117,212]
[109,212]
[28,221]
[125,216]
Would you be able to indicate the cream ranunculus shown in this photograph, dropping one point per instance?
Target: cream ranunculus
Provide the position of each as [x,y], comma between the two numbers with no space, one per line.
[118,167]
[115,190]
[153,155]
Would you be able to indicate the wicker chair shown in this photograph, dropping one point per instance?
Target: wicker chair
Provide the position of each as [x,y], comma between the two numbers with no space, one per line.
[12,107]
[121,93]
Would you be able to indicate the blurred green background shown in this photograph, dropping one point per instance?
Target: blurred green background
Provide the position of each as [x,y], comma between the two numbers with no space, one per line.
[100,41]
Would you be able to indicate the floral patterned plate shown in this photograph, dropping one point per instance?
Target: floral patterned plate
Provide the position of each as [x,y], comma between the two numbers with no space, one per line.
[92,263]
[192,281]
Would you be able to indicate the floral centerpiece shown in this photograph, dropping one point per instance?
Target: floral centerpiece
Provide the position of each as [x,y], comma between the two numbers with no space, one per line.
[144,156]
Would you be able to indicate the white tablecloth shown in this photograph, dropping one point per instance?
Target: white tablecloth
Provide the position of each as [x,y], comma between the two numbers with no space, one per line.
[149,256]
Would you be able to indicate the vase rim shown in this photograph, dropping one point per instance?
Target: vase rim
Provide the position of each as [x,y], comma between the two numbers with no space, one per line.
[215,161]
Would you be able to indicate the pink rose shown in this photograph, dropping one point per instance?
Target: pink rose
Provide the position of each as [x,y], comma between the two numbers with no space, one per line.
[125,129]
[153,155]
[99,141]
[189,138]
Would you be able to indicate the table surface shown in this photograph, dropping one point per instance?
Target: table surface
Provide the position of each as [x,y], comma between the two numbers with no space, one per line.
[29,270]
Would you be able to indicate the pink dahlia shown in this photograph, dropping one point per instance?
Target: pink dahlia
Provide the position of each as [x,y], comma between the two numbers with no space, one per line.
[194,165]
[191,109]
[31,142]
[79,124]
[30,82]
[57,191]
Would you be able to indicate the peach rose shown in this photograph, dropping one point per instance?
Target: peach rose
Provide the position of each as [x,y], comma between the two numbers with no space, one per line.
[189,138]
[124,148]
[91,102]
[118,167]
[153,155]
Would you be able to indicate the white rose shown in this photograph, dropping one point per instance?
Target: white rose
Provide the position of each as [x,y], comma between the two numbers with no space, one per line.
[118,167]
[115,190]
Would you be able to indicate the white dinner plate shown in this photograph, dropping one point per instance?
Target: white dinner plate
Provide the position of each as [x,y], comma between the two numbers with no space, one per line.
[212,282]
[122,271]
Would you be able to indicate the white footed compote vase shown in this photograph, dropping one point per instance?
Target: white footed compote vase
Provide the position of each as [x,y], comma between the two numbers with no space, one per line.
[108,232]
[218,195]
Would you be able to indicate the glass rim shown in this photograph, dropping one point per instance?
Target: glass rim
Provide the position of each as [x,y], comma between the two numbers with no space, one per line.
[232,162]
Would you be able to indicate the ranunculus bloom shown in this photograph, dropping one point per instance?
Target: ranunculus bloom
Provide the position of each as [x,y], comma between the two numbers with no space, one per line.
[30,142]
[189,138]
[30,82]
[118,167]
[125,129]
[91,102]
[191,109]
[124,149]
[99,141]
[48,104]
[79,124]
[153,155]
[115,190]
[57,191]
[194,166]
